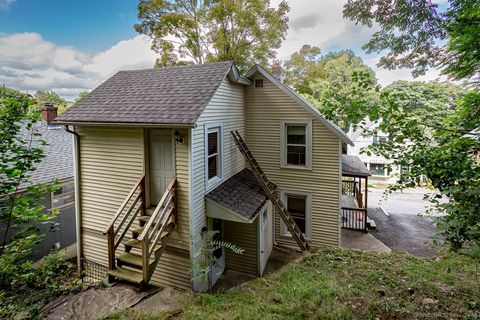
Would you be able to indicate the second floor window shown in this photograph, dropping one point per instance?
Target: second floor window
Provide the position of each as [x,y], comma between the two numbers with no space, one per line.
[296,144]
[213,154]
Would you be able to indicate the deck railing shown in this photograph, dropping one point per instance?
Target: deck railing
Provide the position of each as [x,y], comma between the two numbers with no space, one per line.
[354,218]
[352,188]
[133,204]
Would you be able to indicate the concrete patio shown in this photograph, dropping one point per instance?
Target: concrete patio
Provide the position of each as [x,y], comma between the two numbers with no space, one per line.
[360,240]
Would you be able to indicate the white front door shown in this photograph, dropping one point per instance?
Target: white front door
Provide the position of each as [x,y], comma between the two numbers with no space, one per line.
[162,167]
[265,243]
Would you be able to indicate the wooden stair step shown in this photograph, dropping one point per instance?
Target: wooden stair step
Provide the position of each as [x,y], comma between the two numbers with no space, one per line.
[144,218]
[136,232]
[126,274]
[134,243]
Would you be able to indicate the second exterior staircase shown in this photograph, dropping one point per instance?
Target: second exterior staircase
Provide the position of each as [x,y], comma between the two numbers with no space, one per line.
[143,234]
[271,191]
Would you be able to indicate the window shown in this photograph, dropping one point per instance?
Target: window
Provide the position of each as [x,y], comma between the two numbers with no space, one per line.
[258,83]
[213,153]
[382,139]
[377,169]
[296,144]
[64,196]
[264,218]
[299,206]
[375,139]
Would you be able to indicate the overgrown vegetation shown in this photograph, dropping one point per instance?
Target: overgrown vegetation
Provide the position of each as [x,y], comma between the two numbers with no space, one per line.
[346,284]
[23,218]
[205,257]
[31,286]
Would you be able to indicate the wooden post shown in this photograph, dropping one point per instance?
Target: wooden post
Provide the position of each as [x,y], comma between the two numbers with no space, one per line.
[366,192]
[111,248]
[142,186]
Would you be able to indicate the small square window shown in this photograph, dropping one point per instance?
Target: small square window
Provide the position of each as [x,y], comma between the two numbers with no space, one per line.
[377,169]
[64,196]
[258,83]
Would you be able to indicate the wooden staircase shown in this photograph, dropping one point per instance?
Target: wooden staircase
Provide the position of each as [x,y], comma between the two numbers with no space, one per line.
[271,191]
[149,236]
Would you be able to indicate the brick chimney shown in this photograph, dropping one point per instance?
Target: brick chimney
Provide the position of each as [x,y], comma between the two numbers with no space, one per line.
[48,112]
[277,70]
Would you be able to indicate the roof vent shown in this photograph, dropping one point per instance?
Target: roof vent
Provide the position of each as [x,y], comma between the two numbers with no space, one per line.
[258,83]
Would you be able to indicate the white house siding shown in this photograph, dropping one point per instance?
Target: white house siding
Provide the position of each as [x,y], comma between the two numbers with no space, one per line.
[265,109]
[111,162]
[227,106]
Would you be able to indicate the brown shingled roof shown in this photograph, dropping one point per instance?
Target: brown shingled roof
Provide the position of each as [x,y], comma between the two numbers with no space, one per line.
[354,167]
[241,193]
[173,95]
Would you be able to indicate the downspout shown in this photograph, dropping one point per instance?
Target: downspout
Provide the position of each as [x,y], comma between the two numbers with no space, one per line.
[76,164]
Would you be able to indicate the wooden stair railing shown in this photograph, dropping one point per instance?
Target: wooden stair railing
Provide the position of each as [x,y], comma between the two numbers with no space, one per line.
[161,223]
[126,214]
[270,190]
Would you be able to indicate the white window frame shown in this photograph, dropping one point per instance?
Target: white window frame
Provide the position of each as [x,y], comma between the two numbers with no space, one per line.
[308,214]
[215,181]
[308,141]
[67,205]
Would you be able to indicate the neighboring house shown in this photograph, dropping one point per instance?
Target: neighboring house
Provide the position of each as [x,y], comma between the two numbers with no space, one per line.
[376,164]
[158,165]
[57,164]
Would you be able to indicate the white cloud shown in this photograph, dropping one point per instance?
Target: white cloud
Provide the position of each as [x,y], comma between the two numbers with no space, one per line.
[321,23]
[30,63]
[5,4]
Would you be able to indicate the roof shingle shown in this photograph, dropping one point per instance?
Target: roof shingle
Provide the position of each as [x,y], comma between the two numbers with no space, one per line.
[241,193]
[173,95]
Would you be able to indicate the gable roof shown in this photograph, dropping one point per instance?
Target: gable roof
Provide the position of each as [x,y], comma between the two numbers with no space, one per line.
[302,102]
[164,96]
[58,160]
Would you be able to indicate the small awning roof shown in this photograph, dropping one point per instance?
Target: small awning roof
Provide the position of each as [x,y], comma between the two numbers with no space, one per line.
[239,198]
[352,166]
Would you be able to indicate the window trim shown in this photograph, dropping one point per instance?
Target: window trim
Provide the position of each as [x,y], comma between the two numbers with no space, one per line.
[215,181]
[308,214]
[308,142]
[385,173]
[63,206]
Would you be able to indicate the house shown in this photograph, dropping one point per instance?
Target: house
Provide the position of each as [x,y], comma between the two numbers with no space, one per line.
[57,164]
[378,165]
[164,154]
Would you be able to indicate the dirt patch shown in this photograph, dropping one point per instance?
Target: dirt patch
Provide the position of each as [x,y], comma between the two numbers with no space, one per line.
[97,302]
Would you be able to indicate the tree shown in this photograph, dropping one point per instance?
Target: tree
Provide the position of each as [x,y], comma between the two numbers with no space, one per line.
[81,95]
[432,102]
[213,30]
[43,97]
[333,82]
[20,213]
[419,34]
[411,33]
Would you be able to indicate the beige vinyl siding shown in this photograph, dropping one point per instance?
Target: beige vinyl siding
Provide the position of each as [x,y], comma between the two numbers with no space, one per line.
[111,162]
[265,109]
[245,236]
[227,106]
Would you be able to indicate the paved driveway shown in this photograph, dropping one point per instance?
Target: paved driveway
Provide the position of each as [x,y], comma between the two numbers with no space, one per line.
[403,229]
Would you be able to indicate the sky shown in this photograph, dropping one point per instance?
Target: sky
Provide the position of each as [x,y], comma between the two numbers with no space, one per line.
[72,46]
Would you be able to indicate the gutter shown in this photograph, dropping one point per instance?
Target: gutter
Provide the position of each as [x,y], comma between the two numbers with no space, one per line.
[123,124]
[76,164]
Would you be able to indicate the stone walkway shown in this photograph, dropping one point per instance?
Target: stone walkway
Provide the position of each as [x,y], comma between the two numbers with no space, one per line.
[97,302]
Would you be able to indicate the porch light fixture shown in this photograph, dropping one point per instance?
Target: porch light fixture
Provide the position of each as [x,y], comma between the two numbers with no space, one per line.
[178,137]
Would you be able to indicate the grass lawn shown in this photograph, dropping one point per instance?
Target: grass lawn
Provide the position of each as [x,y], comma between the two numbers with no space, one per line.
[346,284]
